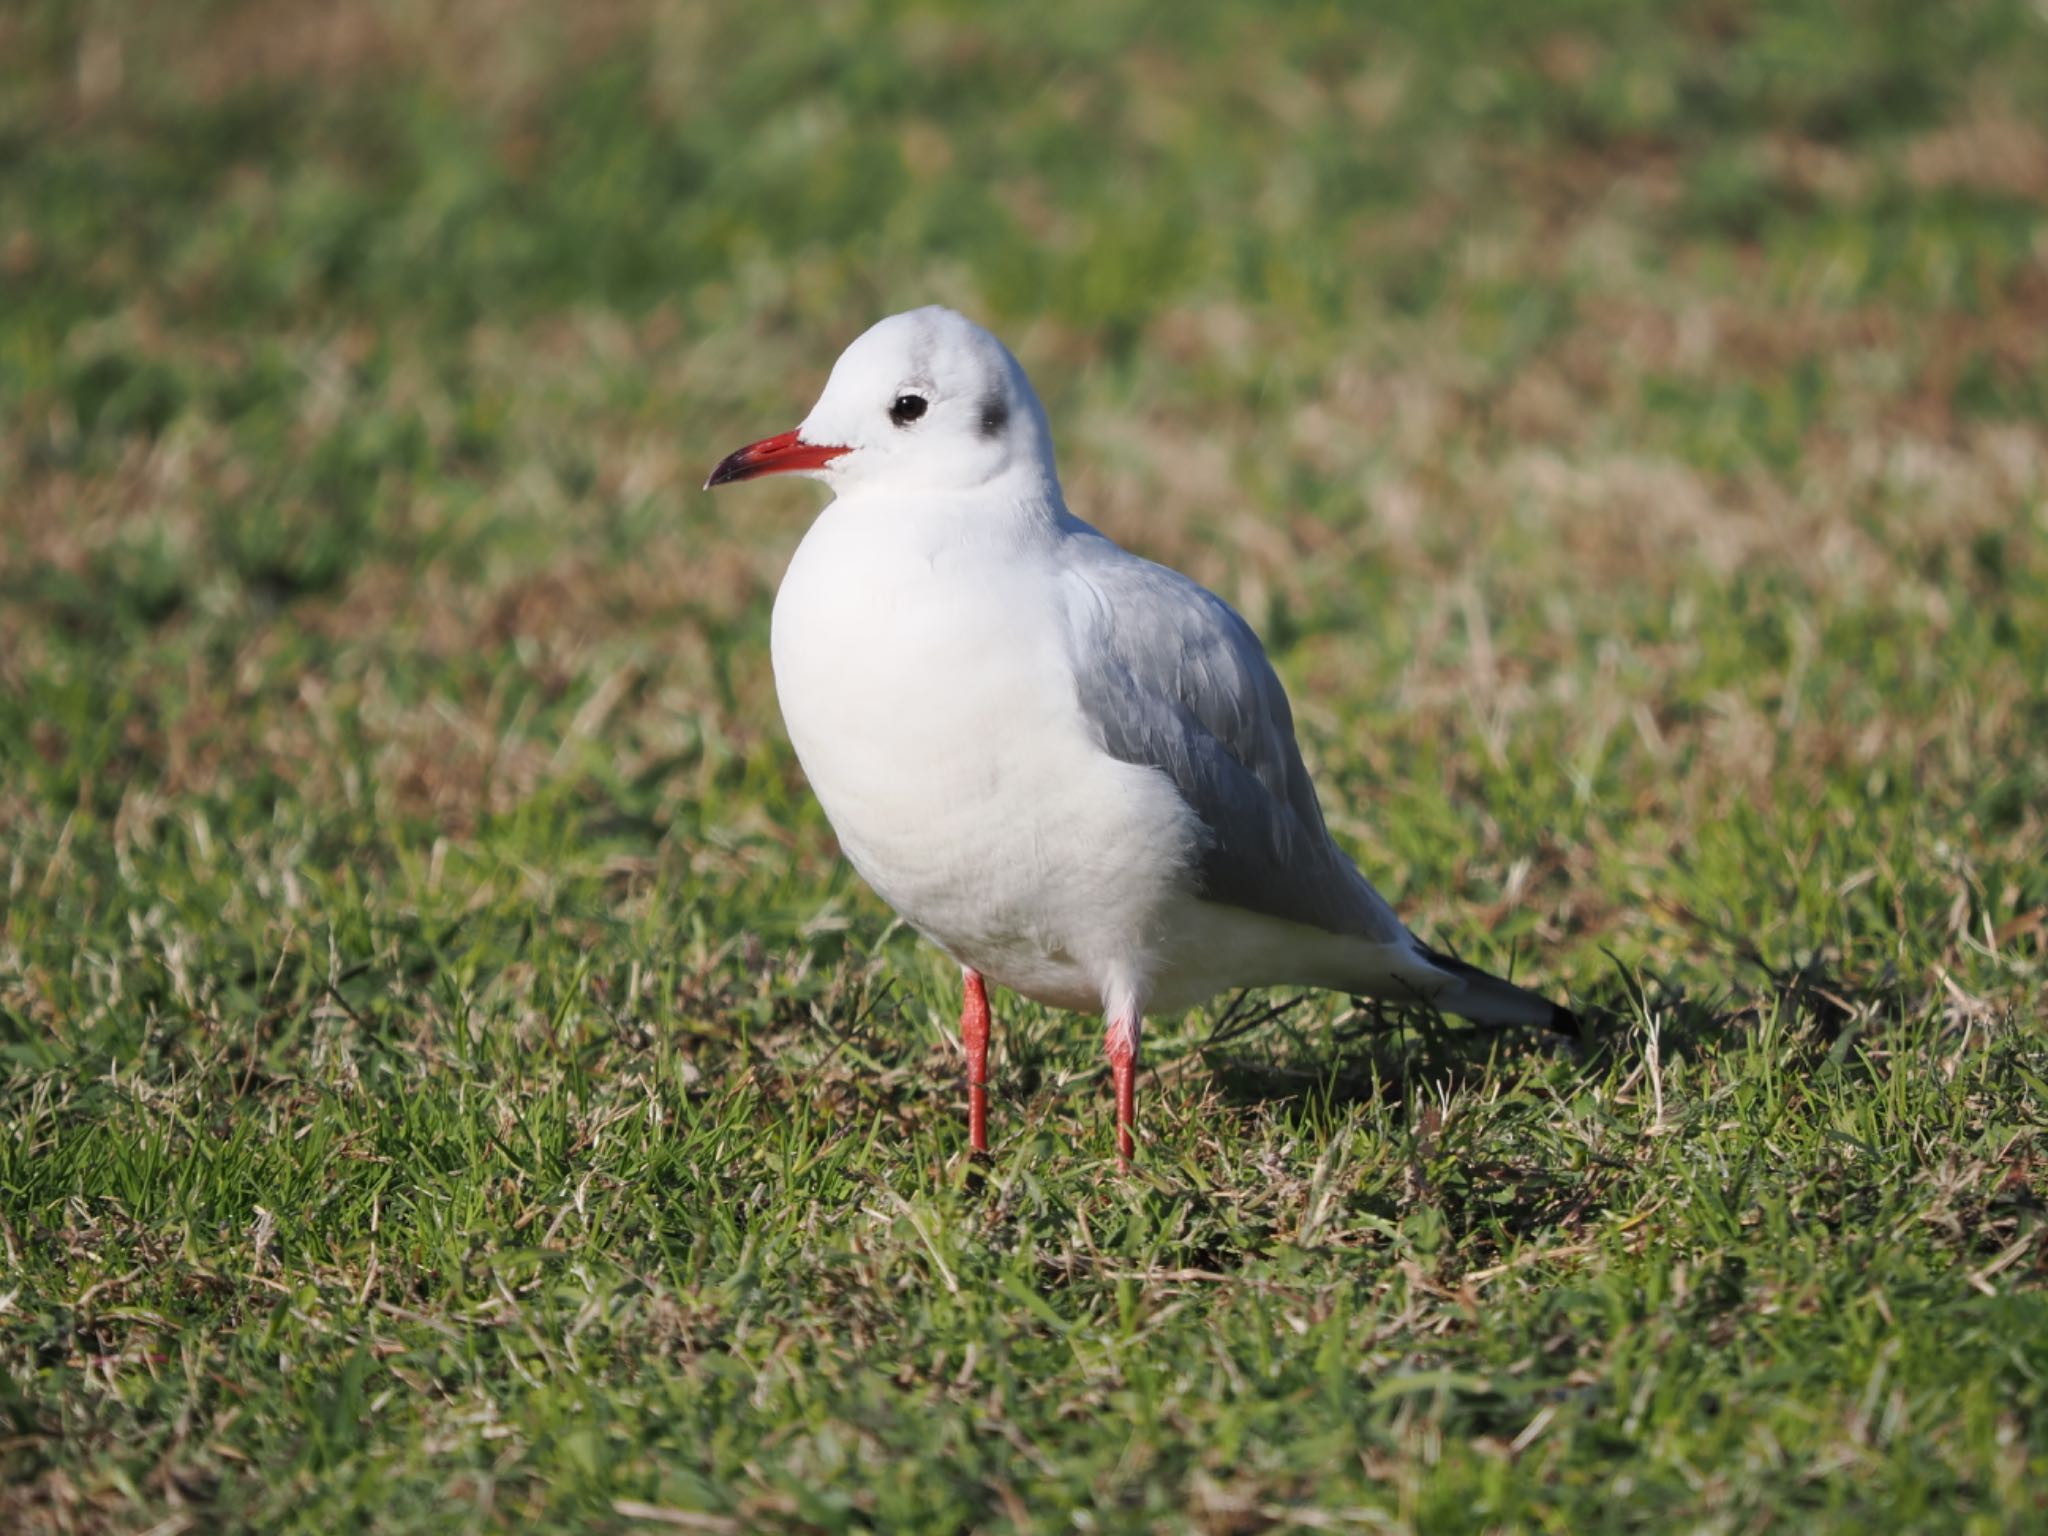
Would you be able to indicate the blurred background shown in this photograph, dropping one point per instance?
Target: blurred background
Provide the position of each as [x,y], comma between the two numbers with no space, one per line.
[1623,421]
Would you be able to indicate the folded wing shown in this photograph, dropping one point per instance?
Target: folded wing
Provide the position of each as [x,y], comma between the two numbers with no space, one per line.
[1171,678]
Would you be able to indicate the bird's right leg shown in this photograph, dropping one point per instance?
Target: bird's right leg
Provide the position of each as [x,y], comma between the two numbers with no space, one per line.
[974,1022]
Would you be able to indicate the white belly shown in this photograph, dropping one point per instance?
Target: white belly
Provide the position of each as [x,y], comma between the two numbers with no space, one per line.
[929,698]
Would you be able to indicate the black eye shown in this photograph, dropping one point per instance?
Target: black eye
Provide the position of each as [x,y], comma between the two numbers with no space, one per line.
[905,409]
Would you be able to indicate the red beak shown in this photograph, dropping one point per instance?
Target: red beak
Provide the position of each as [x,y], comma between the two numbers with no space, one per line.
[772,456]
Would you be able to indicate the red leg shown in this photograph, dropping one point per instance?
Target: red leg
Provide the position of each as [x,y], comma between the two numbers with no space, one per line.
[1122,1045]
[974,1023]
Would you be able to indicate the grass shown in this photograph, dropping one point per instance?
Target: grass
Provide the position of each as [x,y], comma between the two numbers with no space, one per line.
[450,1082]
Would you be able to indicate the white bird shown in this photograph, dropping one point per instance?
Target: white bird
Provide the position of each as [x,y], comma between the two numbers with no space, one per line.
[1071,769]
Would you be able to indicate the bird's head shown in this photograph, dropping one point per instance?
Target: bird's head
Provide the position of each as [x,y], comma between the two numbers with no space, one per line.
[924,402]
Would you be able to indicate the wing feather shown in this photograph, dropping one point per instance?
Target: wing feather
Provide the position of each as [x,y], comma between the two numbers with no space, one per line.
[1170,677]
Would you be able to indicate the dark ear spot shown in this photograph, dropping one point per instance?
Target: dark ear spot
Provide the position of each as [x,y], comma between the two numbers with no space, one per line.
[995,415]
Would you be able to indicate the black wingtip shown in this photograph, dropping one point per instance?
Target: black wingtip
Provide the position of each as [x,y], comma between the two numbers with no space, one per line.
[1561,1019]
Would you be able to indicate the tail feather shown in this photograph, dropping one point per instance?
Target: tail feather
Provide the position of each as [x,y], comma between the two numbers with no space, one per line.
[1486,999]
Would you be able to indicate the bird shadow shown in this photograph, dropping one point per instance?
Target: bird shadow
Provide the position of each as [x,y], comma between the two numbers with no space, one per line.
[1262,1051]
[1267,1053]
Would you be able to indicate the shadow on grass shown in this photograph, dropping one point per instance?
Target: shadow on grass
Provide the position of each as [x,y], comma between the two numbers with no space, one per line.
[1378,1050]
[1465,1180]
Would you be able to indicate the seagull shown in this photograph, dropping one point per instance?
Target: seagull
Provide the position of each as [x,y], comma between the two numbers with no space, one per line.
[1071,769]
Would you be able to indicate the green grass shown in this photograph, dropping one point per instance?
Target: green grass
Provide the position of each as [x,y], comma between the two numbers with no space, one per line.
[451,1083]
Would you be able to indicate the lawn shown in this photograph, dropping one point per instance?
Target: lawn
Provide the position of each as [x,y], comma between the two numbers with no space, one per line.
[448,1080]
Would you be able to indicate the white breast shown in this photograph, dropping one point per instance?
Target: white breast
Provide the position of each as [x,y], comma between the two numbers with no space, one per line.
[924,678]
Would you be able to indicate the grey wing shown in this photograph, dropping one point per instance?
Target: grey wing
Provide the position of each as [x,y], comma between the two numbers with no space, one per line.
[1171,678]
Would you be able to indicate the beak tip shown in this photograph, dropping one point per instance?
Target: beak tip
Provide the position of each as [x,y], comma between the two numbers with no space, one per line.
[772,455]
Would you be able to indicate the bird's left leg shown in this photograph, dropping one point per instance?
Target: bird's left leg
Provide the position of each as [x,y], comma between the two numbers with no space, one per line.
[1122,1046]
[974,1022]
